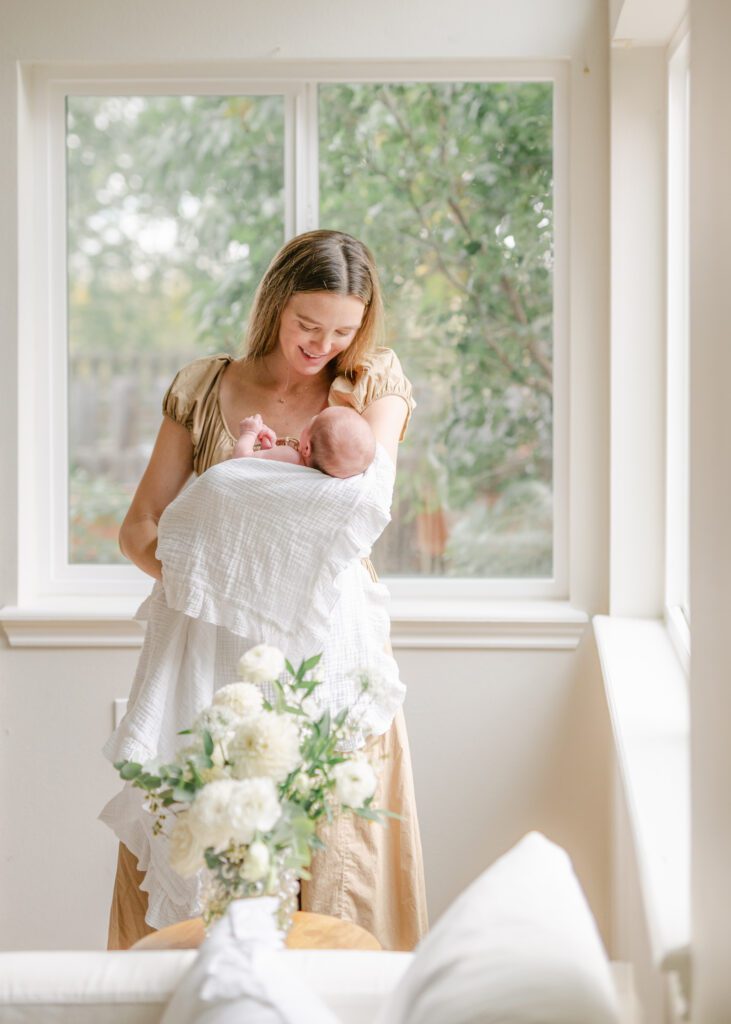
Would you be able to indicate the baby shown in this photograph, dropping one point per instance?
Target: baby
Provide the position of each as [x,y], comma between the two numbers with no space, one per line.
[337,441]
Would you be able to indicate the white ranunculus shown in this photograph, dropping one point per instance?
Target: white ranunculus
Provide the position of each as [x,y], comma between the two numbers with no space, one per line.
[265,746]
[257,862]
[261,664]
[253,807]
[355,781]
[244,699]
[209,817]
[186,853]
[219,720]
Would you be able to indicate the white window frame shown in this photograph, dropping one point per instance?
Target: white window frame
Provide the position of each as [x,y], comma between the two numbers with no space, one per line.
[44,572]
[677,611]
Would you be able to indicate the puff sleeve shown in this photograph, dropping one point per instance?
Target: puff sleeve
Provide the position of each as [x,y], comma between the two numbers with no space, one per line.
[379,375]
[192,387]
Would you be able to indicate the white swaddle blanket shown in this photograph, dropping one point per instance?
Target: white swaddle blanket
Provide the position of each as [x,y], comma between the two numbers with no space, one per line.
[253,551]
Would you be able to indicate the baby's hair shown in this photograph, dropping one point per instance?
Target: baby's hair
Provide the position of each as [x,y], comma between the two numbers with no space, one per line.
[341,443]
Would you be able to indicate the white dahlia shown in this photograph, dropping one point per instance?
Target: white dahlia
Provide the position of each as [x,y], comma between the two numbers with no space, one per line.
[265,746]
[253,807]
[243,699]
[208,816]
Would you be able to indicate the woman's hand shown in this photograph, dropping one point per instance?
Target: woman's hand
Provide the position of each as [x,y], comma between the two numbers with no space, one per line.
[169,468]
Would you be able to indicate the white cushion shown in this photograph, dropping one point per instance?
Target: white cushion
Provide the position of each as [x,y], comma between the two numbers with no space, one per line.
[518,946]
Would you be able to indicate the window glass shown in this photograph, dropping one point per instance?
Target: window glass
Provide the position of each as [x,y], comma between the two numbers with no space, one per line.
[451,186]
[175,207]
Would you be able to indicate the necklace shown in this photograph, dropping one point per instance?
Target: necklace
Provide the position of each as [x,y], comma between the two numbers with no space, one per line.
[281,399]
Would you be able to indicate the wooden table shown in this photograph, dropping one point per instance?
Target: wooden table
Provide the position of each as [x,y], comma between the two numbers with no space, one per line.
[308,931]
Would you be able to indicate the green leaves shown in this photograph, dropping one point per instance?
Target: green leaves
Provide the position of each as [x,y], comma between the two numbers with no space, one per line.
[451,186]
[128,769]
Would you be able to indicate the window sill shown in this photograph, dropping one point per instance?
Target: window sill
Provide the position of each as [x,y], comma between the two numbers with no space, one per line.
[647,694]
[415,624]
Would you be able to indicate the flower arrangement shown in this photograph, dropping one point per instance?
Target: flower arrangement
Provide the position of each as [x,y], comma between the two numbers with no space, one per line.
[243,797]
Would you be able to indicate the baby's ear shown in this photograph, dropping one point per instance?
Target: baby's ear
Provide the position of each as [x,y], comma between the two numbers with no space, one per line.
[305,449]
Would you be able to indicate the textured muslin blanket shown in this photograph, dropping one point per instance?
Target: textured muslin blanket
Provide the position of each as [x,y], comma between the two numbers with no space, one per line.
[252,551]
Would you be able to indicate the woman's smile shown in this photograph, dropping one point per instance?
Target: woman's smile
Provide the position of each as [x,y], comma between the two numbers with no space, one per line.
[313,357]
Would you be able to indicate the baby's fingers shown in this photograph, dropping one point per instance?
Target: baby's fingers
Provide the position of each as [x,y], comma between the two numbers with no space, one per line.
[267,437]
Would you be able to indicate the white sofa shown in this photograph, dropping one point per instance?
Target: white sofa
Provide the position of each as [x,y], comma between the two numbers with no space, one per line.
[134,988]
[518,946]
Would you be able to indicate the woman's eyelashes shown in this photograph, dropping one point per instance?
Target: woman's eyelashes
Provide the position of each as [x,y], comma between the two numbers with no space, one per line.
[310,330]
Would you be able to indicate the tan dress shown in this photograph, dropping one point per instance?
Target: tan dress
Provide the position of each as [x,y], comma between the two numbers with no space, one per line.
[367,873]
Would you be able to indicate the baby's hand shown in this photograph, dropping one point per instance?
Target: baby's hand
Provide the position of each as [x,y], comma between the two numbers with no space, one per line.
[256,425]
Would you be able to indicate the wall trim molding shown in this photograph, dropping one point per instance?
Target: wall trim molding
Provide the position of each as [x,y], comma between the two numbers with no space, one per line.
[478,625]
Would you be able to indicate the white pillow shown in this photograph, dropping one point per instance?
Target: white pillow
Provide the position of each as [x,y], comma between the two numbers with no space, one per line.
[518,946]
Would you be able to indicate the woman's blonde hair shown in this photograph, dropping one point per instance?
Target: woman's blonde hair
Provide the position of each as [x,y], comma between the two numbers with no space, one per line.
[318,261]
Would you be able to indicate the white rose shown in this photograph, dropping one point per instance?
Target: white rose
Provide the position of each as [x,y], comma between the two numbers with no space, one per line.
[253,807]
[355,781]
[261,664]
[209,817]
[257,861]
[218,720]
[186,854]
[244,699]
[265,746]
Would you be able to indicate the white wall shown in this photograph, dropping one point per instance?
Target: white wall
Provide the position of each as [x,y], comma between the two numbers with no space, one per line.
[502,741]
[638,91]
[710,508]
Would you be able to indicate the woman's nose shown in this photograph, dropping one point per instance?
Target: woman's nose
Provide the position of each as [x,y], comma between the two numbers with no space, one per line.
[321,343]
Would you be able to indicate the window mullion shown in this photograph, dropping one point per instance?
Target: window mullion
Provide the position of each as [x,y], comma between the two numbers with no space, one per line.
[307,196]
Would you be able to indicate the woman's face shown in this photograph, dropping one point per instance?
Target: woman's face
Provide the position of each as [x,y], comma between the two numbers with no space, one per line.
[315,327]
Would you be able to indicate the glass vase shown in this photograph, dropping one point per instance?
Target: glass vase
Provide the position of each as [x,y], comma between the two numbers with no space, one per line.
[226,883]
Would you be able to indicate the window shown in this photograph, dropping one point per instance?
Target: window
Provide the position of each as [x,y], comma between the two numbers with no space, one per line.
[167,200]
[678,353]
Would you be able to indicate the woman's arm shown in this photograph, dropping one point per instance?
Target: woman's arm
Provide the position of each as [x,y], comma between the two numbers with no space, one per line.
[170,466]
[386,418]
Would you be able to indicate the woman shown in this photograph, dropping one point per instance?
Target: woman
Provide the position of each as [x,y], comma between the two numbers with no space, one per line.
[314,325]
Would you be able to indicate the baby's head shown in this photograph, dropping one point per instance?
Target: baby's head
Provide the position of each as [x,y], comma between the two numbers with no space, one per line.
[339,442]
